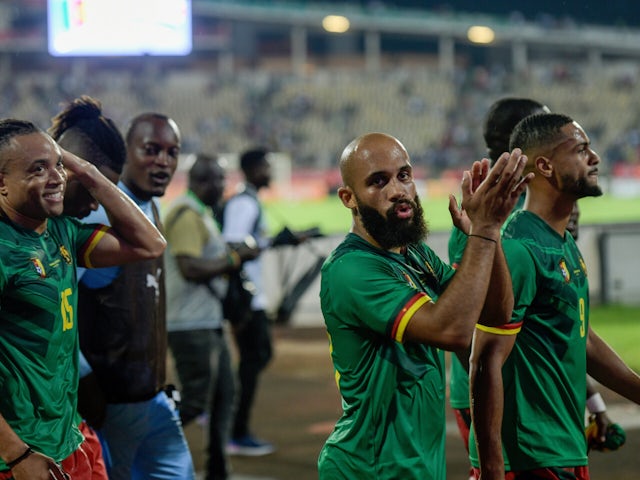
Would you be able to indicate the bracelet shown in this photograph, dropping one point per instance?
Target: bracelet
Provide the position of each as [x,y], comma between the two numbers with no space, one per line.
[488,239]
[234,259]
[595,404]
[15,462]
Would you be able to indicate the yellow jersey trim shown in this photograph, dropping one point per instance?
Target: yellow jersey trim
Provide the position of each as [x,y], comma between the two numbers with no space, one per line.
[504,330]
[406,313]
[91,245]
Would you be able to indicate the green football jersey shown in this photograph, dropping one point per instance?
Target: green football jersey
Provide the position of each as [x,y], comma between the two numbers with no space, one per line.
[393,422]
[38,332]
[545,375]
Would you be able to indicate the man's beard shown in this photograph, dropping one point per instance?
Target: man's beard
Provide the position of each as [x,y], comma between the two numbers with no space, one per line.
[393,232]
[580,188]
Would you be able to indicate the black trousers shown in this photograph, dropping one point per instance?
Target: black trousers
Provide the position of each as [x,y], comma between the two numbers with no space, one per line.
[203,364]
[255,350]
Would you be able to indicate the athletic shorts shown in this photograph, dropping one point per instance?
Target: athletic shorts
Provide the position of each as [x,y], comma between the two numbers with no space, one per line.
[85,463]
[549,473]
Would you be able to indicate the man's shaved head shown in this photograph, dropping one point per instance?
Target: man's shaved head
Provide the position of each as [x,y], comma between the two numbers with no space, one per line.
[365,147]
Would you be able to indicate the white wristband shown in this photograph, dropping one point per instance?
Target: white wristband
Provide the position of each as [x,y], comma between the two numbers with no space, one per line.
[595,404]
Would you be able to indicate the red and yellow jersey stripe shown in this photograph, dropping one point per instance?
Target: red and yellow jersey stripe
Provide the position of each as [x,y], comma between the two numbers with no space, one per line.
[405,314]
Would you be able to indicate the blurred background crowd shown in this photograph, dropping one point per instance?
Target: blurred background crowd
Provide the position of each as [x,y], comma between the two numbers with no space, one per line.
[269,73]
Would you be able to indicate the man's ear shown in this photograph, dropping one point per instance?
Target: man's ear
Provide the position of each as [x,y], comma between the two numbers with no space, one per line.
[543,166]
[3,187]
[347,197]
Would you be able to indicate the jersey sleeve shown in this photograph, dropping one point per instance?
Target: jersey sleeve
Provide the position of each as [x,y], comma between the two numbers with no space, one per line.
[185,234]
[88,236]
[85,237]
[457,244]
[523,278]
[90,231]
[369,294]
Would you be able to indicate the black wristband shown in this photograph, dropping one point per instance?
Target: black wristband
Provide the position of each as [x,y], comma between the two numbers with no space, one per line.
[15,462]
[483,237]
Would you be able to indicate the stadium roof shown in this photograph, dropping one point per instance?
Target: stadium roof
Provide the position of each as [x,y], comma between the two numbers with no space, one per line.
[378,17]
[611,12]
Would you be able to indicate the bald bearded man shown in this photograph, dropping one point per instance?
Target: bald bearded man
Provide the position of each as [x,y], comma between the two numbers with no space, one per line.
[391,306]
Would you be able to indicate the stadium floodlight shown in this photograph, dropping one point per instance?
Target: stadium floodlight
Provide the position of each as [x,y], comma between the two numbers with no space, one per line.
[336,23]
[481,34]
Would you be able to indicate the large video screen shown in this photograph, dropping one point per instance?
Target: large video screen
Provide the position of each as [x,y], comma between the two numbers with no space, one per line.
[119,27]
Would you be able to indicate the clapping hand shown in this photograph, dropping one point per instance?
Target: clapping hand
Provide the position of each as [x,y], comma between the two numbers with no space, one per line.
[490,194]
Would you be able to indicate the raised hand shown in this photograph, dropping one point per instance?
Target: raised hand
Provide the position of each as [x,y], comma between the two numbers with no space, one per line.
[470,180]
[458,215]
[489,195]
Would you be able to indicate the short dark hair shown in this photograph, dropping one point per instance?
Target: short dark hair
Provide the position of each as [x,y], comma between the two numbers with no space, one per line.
[502,117]
[253,157]
[85,114]
[11,128]
[200,166]
[539,130]
[143,117]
